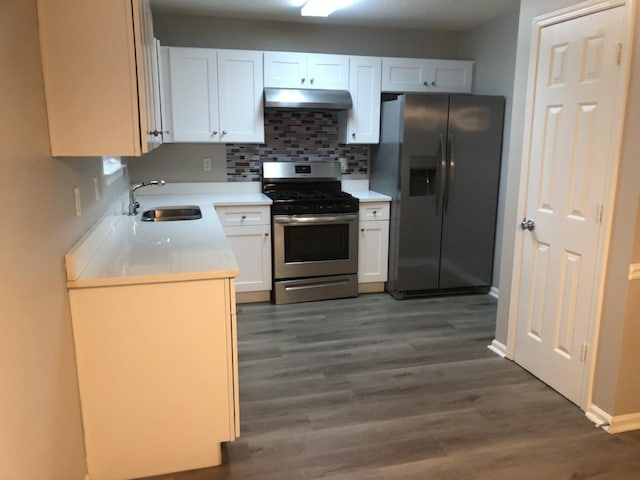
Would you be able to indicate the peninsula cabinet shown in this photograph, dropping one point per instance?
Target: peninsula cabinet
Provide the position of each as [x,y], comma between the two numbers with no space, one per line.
[306,70]
[216,95]
[157,374]
[98,67]
[426,75]
[361,124]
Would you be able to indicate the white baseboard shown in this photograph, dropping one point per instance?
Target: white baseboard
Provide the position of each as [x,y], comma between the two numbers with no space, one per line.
[498,348]
[613,424]
[494,292]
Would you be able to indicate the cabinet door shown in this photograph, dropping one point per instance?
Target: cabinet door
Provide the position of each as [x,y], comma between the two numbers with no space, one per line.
[285,70]
[240,89]
[194,94]
[252,249]
[147,67]
[373,251]
[452,75]
[363,120]
[406,75]
[94,76]
[165,96]
[329,72]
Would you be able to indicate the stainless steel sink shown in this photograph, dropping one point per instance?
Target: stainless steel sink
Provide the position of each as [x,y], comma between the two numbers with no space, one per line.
[173,213]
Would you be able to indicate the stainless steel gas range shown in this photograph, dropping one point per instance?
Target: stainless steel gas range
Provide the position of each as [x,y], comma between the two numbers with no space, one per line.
[315,231]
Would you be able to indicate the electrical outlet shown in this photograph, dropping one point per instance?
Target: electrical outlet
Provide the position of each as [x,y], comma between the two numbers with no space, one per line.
[206,164]
[96,188]
[76,198]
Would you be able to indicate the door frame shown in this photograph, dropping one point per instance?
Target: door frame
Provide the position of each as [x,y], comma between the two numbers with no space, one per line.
[569,13]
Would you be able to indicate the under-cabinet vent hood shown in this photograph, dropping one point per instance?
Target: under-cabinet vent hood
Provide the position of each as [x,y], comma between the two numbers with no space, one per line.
[307,99]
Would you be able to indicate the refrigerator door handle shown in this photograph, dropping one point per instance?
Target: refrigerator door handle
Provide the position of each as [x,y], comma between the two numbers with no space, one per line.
[440,190]
[450,174]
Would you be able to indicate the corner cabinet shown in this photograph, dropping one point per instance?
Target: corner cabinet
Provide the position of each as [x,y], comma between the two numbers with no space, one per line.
[98,70]
[361,124]
[248,230]
[426,75]
[216,95]
[373,246]
[158,379]
[306,70]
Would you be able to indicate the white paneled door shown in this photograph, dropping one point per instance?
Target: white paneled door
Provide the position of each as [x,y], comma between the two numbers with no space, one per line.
[570,154]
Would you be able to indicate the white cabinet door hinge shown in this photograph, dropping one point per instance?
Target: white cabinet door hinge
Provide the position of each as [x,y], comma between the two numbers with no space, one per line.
[583,353]
[600,213]
[619,54]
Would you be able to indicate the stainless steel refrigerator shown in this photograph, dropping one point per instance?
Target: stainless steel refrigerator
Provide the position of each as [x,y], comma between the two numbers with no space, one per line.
[439,160]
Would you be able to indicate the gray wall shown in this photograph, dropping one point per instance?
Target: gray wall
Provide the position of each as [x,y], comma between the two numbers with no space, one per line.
[40,422]
[618,338]
[493,47]
[212,32]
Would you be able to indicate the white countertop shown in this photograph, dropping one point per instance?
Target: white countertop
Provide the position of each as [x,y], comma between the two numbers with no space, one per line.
[129,251]
[369,196]
[123,250]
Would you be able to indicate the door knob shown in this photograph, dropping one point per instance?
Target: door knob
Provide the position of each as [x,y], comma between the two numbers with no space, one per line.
[527,224]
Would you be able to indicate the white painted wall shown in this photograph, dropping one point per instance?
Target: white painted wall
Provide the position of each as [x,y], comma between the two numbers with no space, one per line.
[493,48]
[40,423]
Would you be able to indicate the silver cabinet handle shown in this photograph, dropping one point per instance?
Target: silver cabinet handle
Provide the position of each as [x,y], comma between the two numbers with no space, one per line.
[425,83]
[527,224]
[312,79]
[302,80]
[266,234]
[224,132]
[353,135]
[433,83]
[362,229]
[215,132]
[243,217]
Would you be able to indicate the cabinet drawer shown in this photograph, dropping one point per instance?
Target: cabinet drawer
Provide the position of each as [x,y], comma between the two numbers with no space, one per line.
[374,211]
[243,215]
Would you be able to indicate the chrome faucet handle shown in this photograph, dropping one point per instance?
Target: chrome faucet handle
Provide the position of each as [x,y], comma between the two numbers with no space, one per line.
[133,203]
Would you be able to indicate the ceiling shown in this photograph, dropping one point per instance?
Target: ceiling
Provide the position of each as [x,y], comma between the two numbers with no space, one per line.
[424,14]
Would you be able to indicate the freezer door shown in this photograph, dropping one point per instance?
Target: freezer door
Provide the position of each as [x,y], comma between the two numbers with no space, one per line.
[422,174]
[474,144]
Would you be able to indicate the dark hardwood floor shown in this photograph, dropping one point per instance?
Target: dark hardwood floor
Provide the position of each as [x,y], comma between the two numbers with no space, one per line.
[373,388]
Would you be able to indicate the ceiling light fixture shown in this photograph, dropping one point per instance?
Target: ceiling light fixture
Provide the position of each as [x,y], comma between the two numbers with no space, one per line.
[323,8]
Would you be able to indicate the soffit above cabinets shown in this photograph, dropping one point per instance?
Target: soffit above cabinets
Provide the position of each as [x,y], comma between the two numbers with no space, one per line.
[455,15]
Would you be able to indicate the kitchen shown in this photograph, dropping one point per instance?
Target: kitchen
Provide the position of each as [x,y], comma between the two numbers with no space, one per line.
[43,404]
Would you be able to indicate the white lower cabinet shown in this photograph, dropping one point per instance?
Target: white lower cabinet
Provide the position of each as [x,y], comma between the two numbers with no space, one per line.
[157,373]
[373,245]
[248,230]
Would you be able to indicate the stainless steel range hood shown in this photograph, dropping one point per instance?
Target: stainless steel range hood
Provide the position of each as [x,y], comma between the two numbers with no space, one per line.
[308,99]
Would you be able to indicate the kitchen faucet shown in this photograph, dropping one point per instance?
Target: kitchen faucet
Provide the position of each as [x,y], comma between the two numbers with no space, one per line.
[133,203]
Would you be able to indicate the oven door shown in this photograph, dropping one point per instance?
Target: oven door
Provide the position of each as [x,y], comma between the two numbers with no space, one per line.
[315,245]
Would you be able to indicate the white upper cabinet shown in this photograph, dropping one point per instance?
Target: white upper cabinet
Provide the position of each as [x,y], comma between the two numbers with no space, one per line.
[306,70]
[216,95]
[97,62]
[194,94]
[361,124]
[424,75]
[240,96]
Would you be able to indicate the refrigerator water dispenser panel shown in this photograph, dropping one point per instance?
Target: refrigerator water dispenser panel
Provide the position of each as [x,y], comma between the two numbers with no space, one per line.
[423,176]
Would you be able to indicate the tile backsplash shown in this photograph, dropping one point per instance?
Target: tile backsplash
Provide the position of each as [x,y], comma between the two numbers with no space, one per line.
[296,135]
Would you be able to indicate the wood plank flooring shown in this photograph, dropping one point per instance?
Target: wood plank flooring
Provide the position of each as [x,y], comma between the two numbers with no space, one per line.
[378,389]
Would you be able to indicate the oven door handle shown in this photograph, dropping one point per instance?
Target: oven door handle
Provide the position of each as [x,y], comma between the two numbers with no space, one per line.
[306,219]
